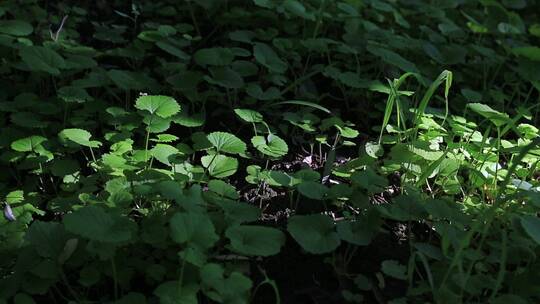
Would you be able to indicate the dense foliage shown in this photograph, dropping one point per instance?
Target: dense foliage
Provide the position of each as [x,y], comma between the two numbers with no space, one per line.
[269,151]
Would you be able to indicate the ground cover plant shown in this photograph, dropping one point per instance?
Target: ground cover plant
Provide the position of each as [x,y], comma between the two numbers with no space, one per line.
[269,151]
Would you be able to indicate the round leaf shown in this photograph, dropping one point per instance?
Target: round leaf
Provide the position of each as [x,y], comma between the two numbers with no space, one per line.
[162,106]
[315,233]
[227,142]
[255,240]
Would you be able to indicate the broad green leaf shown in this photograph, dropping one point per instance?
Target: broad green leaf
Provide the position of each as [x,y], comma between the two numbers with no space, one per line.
[223,189]
[227,142]
[73,94]
[272,145]
[313,190]
[394,269]
[220,165]
[162,106]
[16,27]
[496,117]
[172,292]
[249,115]
[531,225]
[194,229]
[266,56]
[127,80]
[529,52]
[28,144]
[255,240]
[393,58]
[225,77]
[315,233]
[79,136]
[42,59]
[193,121]
[163,153]
[48,238]
[214,56]
[94,223]
[358,232]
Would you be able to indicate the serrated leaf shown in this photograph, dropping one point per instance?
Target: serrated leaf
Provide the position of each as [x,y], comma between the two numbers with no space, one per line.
[220,165]
[227,142]
[161,106]
[79,136]
[275,147]
[249,115]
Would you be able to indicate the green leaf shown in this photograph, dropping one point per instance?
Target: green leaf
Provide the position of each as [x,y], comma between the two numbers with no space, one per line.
[16,27]
[161,106]
[303,103]
[172,292]
[93,223]
[220,165]
[73,94]
[249,115]
[28,144]
[272,145]
[163,152]
[394,269]
[255,240]
[393,58]
[315,233]
[266,56]
[194,229]
[313,190]
[227,142]
[42,59]
[128,80]
[529,52]
[79,136]
[225,77]
[359,232]
[48,238]
[496,117]
[531,225]
[214,56]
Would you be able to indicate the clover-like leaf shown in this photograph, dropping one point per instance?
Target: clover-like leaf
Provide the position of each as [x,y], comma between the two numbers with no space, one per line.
[227,142]
[255,240]
[28,144]
[79,136]
[315,233]
[272,145]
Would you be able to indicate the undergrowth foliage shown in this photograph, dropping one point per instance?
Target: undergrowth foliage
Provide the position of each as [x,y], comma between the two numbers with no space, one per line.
[212,151]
